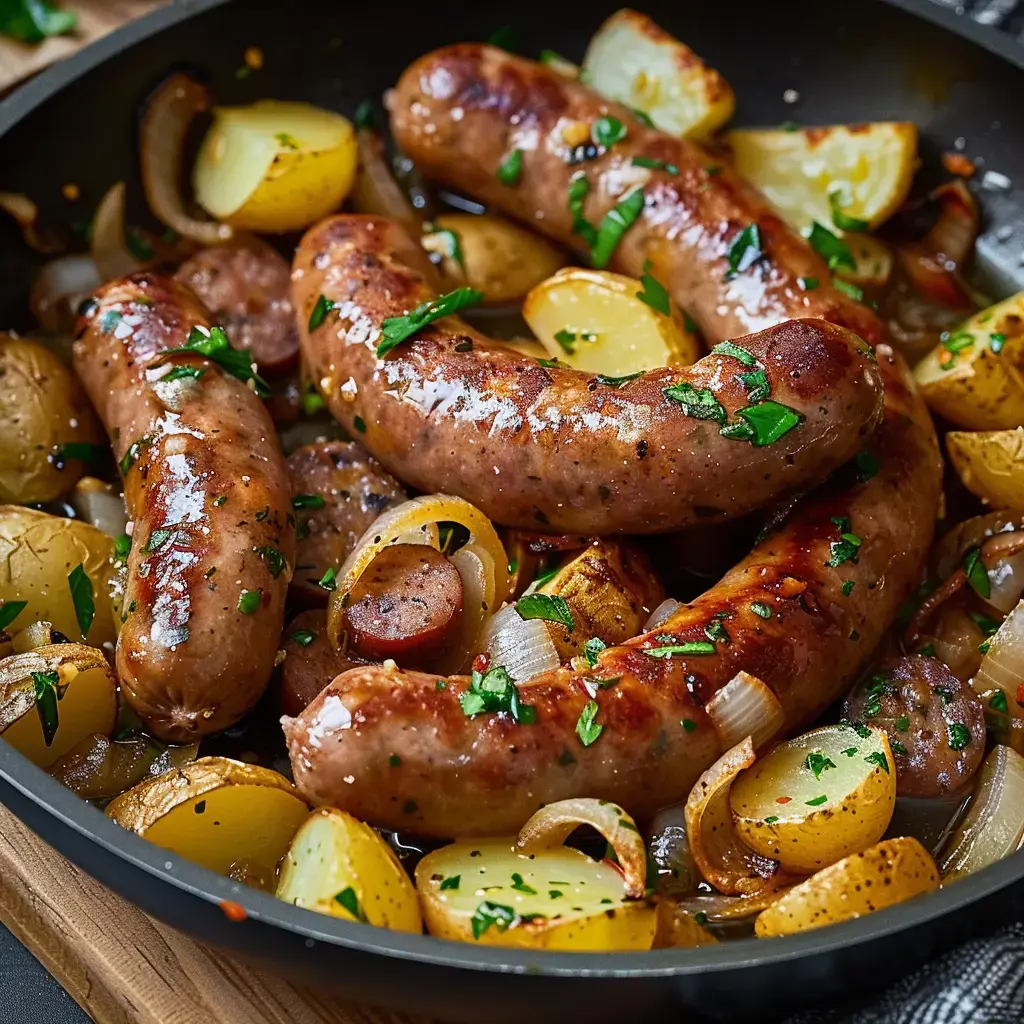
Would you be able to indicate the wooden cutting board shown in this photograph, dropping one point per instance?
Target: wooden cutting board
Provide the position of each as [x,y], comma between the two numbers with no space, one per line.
[122,967]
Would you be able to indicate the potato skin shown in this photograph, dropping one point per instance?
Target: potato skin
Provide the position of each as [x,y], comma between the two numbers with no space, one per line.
[42,406]
[990,463]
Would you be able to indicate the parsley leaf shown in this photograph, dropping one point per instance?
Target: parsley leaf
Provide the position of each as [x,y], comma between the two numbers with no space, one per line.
[551,608]
[769,421]
[587,728]
[818,763]
[835,251]
[690,647]
[653,292]
[841,220]
[82,598]
[348,899]
[697,403]
[744,251]
[729,348]
[213,343]
[494,691]
[977,574]
[487,914]
[592,648]
[47,692]
[614,225]
[397,329]
[9,611]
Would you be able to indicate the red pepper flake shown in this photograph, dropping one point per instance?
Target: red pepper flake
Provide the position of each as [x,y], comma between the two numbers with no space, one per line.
[233,911]
[783,799]
[481,663]
[958,164]
[946,357]
[1020,695]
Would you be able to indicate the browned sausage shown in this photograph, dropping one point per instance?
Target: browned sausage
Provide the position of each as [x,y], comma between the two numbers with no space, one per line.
[338,491]
[533,445]
[207,491]
[405,605]
[247,288]
[310,662]
[935,723]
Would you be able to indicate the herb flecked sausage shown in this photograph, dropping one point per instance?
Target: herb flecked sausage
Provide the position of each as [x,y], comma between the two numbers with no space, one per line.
[213,542]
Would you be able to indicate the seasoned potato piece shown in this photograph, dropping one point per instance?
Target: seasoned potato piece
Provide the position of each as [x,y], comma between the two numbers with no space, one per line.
[679,928]
[275,166]
[48,427]
[874,260]
[837,175]
[975,377]
[817,797]
[234,818]
[594,320]
[879,877]
[338,866]
[491,254]
[632,60]
[991,464]
[40,556]
[487,892]
[52,697]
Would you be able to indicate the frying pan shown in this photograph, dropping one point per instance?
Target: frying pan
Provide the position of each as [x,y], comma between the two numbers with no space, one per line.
[903,59]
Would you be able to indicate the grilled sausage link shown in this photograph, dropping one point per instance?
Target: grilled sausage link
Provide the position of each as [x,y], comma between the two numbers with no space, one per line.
[787,614]
[213,542]
[461,111]
[448,410]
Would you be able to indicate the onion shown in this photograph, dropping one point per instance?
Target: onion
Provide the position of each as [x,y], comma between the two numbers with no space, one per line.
[1006,578]
[670,852]
[26,213]
[994,823]
[109,249]
[678,928]
[972,533]
[553,824]
[36,634]
[58,291]
[99,505]
[955,639]
[661,614]
[165,123]
[953,235]
[932,280]
[522,646]
[745,707]
[1002,668]
[723,860]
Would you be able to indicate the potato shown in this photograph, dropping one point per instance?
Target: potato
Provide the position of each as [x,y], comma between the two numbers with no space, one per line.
[499,258]
[879,877]
[632,60]
[338,866]
[991,464]
[275,166]
[975,377]
[678,928]
[39,558]
[487,892]
[46,422]
[874,259]
[234,818]
[859,171]
[52,697]
[594,320]
[817,797]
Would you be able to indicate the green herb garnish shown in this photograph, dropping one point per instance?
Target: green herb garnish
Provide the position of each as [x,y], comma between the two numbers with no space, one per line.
[303,637]
[841,220]
[494,691]
[697,403]
[818,763]
[47,691]
[977,574]
[654,165]
[690,647]
[451,882]
[520,886]
[592,648]
[817,801]
[834,250]
[9,611]
[614,225]
[769,421]
[32,21]
[761,609]
[213,344]
[653,292]
[274,559]
[249,601]
[551,608]
[959,736]
[82,598]
[587,728]
[308,501]
[744,250]
[488,914]
[879,758]
[350,901]
[608,130]
[397,329]
[729,348]
[510,170]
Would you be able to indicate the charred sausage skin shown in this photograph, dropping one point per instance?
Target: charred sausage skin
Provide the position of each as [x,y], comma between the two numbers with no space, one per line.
[213,542]
[534,445]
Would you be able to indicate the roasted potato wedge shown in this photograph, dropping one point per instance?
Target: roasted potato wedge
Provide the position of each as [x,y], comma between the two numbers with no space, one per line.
[878,877]
[596,321]
[40,556]
[679,928]
[837,175]
[49,429]
[817,798]
[52,697]
[632,60]
[275,166]
[975,376]
[234,818]
[489,893]
[338,866]
[493,255]
[990,463]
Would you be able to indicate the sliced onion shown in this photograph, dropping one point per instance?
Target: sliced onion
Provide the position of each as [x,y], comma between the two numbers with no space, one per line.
[58,291]
[723,860]
[489,584]
[953,235]
[36,634]
[745,707]
[721,910]
[553,824]
[109,249]
[670,851]
[994,824]
[1006,581]
[165,123]
[522,646]
[1002,668]
[100,505]
[661,614]
[26,213]
[375,190]
[972,533]
[476,571]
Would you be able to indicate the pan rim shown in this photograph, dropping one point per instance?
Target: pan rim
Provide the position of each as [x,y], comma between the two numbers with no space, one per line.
[64,806]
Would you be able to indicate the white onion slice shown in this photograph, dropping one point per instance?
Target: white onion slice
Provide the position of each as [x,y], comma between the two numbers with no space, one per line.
[994,823]
[1006,581]
[1002,668]
[109,248]
[58,291]
[745,707]
[98,505]
[661,614]
[522,646]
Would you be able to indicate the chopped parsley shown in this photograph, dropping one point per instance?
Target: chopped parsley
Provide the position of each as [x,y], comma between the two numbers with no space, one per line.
[845,549]
[364,115]
[131,456]
[848,586]
[249,601]
[488,914]
[494,691]
[690,647]
[551,608]
[959,736]
[654,165]
[765,423]
[729,348]
[614,225]
[510,169]
[817,801]
[818,763]
[998,702]
[450,243]
[653,292]
[156,540]
[744,251]
[878,757]
[592,648]
[642,116]
[275,560]
[397,329]
[902,724]
[608,130]
[505,38]
[697,403]
[47,692]
[82,598]
[614,382]
[848,289]
[688,724]
[329,580]
[996,342]
[83,451]
[808,284]
[360,424]
[348,899]
[32,21]
[520,886]
[303,637]
[771,819]
[842,220]
[834,250]
[868,465]
[394,760]
[715,631]
[587,728]
[977,574]
[579,188]
[9,611]
[308,501]
[760,609]
[213,344]
[451,882]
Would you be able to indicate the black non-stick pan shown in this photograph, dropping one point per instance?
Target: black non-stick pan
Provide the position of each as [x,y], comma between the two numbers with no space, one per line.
[799,60]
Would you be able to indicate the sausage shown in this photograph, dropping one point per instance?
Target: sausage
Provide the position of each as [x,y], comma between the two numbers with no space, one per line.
[536,446]
[405,605]
[460,111]
[338,491]
[206,488]
[935,723]
[247,287]
[791,619]
[310,662]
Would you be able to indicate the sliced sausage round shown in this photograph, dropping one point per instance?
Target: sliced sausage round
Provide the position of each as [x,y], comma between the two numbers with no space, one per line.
[247,287]
[405,605]
[935,723]
[338,491]
[310,662]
